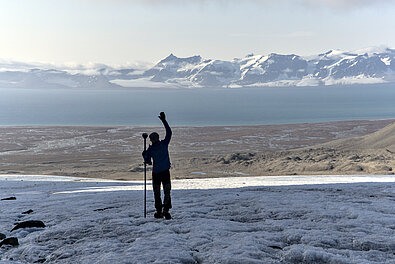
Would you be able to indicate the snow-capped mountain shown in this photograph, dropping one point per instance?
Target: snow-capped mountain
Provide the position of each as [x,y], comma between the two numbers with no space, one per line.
[43,78]
[49,76]
[275,67]
[330,68]
[194,71]
[372,65]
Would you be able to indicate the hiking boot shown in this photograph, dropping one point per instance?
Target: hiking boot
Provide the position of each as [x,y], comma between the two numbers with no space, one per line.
[167,215]
[158,215]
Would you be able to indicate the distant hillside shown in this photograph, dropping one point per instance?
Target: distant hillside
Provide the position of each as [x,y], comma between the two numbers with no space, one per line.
[367,66]
[383,139]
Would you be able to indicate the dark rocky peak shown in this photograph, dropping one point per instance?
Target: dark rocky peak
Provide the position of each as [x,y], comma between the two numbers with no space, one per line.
[175,60]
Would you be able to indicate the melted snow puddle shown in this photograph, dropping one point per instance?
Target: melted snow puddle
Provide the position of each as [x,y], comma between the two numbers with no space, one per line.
[206,184]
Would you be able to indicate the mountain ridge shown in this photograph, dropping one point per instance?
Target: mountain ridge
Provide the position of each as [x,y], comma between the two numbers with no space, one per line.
[334,67]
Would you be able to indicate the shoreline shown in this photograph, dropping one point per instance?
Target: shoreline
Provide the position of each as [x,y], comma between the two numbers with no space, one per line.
[196,126]
[114,152]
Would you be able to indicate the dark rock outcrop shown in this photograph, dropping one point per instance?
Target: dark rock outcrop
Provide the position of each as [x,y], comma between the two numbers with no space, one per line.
[11,241]
[8,198]
[27,224]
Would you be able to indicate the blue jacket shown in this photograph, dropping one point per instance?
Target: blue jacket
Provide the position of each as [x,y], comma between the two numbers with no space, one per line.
[159,152]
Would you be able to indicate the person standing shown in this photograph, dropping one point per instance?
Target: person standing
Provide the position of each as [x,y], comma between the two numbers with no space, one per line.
[158,152]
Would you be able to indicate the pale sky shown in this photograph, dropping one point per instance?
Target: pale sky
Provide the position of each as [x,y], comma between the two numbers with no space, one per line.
[127,31]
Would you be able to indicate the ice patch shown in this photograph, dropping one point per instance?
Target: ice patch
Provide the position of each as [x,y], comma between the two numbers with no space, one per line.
[387,61]
[241,173]
[199,173]
[142,83]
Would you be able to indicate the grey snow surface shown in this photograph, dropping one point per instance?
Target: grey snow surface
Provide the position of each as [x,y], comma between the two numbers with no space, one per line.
[102,222]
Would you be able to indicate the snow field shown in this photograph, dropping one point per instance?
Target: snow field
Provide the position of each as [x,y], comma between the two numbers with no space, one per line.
[102,222]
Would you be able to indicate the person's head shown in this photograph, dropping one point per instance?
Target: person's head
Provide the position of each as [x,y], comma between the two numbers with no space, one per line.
[154,137]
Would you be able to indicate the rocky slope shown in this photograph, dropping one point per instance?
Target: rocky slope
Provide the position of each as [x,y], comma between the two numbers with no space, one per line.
[370,154]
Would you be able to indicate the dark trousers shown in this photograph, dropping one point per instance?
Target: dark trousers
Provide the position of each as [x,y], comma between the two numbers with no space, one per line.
[164,179]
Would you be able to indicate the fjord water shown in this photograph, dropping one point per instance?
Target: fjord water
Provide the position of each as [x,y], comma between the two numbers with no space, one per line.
[199,107]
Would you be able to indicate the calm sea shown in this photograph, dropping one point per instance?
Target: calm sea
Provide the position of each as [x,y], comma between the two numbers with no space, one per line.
[202,107]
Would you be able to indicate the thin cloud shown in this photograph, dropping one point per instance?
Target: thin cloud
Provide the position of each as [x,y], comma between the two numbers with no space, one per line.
[71,67]
[336,5]
[327,3]
[300,34]
[346,3]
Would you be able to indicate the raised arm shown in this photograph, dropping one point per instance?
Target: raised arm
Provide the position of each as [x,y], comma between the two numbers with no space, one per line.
[162,117]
